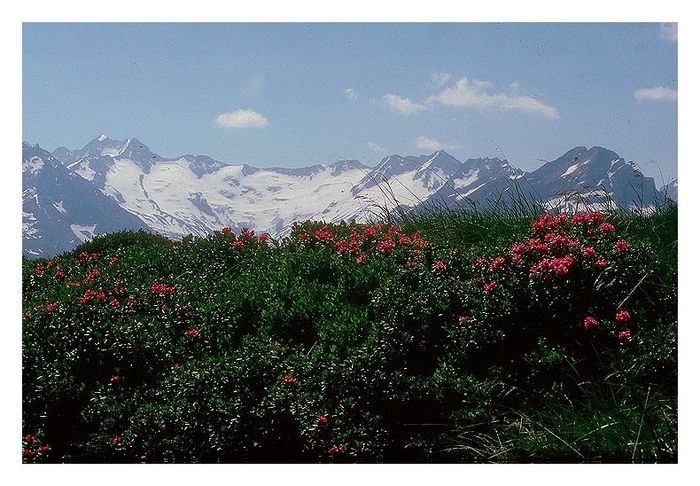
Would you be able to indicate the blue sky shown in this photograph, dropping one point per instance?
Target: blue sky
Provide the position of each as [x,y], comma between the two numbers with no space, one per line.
[300,94]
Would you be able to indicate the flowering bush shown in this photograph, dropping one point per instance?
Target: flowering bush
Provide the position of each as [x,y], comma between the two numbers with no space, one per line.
[329,345]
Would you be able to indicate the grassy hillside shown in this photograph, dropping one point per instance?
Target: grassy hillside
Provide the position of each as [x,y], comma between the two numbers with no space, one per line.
[451,337]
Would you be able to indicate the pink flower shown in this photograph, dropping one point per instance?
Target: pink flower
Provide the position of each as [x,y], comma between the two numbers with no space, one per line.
[114,303]
[226,230]
[59,274]
[324,235]
[277,344]
[497,263]
[462,319]
[589,323]
[622,246]
[238,244]
[361,259]
[264,237]
[116,440]
[322,420]
[303,237]
[624,334]
[289,379]
[336,449]
[191,333]
[52,306]
[115,379]
[602,263]
[45,449]
[490,287]
[386,246]
[588,251]
[607,228]
[623,316]
[439,266]
[162,289]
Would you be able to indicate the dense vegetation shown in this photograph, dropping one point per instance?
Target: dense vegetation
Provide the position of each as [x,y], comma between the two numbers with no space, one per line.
[452,337]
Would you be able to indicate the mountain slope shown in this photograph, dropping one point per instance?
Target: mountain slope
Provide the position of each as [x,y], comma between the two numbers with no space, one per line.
[60,209]
[195,194]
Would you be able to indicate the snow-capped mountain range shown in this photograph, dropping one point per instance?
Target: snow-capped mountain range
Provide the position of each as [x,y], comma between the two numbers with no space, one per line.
[109,185]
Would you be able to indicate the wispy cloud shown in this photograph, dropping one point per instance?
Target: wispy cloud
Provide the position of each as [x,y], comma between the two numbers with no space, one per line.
[669,31]
[479,94]
[438,80]
[403,105]
[472,93]
[432,144]
[375,147]
[659,93]
[241,119]
[350,93]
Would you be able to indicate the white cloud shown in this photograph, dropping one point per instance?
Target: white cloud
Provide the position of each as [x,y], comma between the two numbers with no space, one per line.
[375,147]
[432,144]
[241,119]
[350,93]
[659,93]
[403,105]
[438,80]
[669,31]
[477,94]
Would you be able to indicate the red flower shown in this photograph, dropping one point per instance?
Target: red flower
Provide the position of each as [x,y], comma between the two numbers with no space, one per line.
[624,334]
[264,237]
[336,449]
[497,263]
[101,297]
[31,438]
[59,274]
[40,270]
[27,453]
[324,235]
[131,302]
[161,289]
[94,273]
[303,237]
[462,319]
[622,246]
[439,266]
[386,246]
[588,251]
[589,323]
[623,316]
[45,449]
[226,230]
[607,228]
[238,245]
[602,263]
[277,344]
[116,440]
[112,260]
[115,379]
[411,263]
[361,259]
[73,283]
[289,379]
[490,287]
[52,306]
[191,333]
[84,254]
[322,420]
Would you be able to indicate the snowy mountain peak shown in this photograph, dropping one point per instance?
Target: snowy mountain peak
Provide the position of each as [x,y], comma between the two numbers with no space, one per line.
[102,137]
